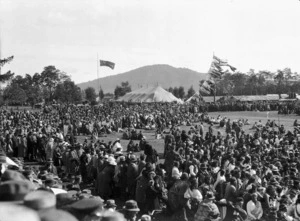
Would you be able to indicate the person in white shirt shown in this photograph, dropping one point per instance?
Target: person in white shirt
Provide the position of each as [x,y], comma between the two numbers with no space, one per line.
[254,209]
[175,171]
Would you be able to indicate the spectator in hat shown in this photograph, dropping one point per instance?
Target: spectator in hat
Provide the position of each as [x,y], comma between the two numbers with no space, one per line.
[105,182]
[131,210]
[207,208]
[87,209]
[141,187]
[110,205]
[152,202]
[132,174]
[50,167]
[120,178]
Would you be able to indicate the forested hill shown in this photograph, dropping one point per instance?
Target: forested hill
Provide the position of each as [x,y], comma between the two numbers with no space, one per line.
[163,75]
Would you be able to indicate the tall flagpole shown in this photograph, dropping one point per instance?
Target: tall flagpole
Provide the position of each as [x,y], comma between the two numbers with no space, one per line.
[98,73]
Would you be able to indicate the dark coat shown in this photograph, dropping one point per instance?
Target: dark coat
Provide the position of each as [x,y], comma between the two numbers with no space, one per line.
[104,184]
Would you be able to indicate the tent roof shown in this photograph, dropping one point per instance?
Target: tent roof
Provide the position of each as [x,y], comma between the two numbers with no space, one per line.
[196,97]
[149,95]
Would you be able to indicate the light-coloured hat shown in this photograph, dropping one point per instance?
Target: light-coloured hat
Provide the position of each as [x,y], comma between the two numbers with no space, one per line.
[39,200]
[111,161]
[12,212]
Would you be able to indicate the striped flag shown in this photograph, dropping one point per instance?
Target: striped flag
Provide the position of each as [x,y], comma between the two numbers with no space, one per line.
[219,60]
[203,90]
[107,64]
[216,71]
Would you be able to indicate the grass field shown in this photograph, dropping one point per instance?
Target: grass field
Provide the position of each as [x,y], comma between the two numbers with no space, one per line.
[286,120]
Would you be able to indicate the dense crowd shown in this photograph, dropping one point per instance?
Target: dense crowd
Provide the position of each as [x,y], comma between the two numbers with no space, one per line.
[288,107]
[48,172]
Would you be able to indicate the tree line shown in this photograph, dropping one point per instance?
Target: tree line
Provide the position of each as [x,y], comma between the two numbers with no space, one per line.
[258,83]
[53,84]
[50,85]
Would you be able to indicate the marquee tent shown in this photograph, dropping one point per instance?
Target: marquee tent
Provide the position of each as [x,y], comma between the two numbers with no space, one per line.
[196,98]
[149,95]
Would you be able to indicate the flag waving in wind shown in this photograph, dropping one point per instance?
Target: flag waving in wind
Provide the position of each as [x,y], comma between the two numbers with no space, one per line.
[107,64]
[216,68]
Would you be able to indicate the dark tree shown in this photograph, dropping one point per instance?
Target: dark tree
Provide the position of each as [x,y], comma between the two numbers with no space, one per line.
[30,86]
[101,94]
[14,95]
[68,92]
[122,90]
[181,92]
[50,78]
[176,92]
[8,75]
[190,92]
[90,94]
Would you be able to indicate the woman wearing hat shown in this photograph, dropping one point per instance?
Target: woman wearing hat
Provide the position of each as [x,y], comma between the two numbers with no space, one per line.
[104,183]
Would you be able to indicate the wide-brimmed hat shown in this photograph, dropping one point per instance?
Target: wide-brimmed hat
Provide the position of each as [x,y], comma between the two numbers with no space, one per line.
[9,175]
[110,203]
[87,206]
[15,191]
[40,199]
[131,205]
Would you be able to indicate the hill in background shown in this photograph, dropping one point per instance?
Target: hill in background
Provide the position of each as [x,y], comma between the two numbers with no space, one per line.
[164,75]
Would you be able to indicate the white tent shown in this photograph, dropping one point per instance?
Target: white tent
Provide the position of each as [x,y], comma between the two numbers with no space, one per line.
[150,95]
[196,98]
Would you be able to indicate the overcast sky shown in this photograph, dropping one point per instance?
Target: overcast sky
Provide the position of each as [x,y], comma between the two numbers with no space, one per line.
[258,34]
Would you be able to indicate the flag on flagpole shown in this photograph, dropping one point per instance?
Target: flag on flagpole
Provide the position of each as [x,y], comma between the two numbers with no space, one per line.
[203,90]
[216,68]
[219,60]
[107,64]
[232,68]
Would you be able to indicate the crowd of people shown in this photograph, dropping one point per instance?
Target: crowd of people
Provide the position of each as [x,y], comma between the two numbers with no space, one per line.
[50,172]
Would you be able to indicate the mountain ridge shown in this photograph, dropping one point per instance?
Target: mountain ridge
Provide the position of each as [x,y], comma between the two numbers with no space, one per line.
[159,74]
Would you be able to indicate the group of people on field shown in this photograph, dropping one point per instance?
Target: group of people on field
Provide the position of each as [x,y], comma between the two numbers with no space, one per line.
[210,168]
